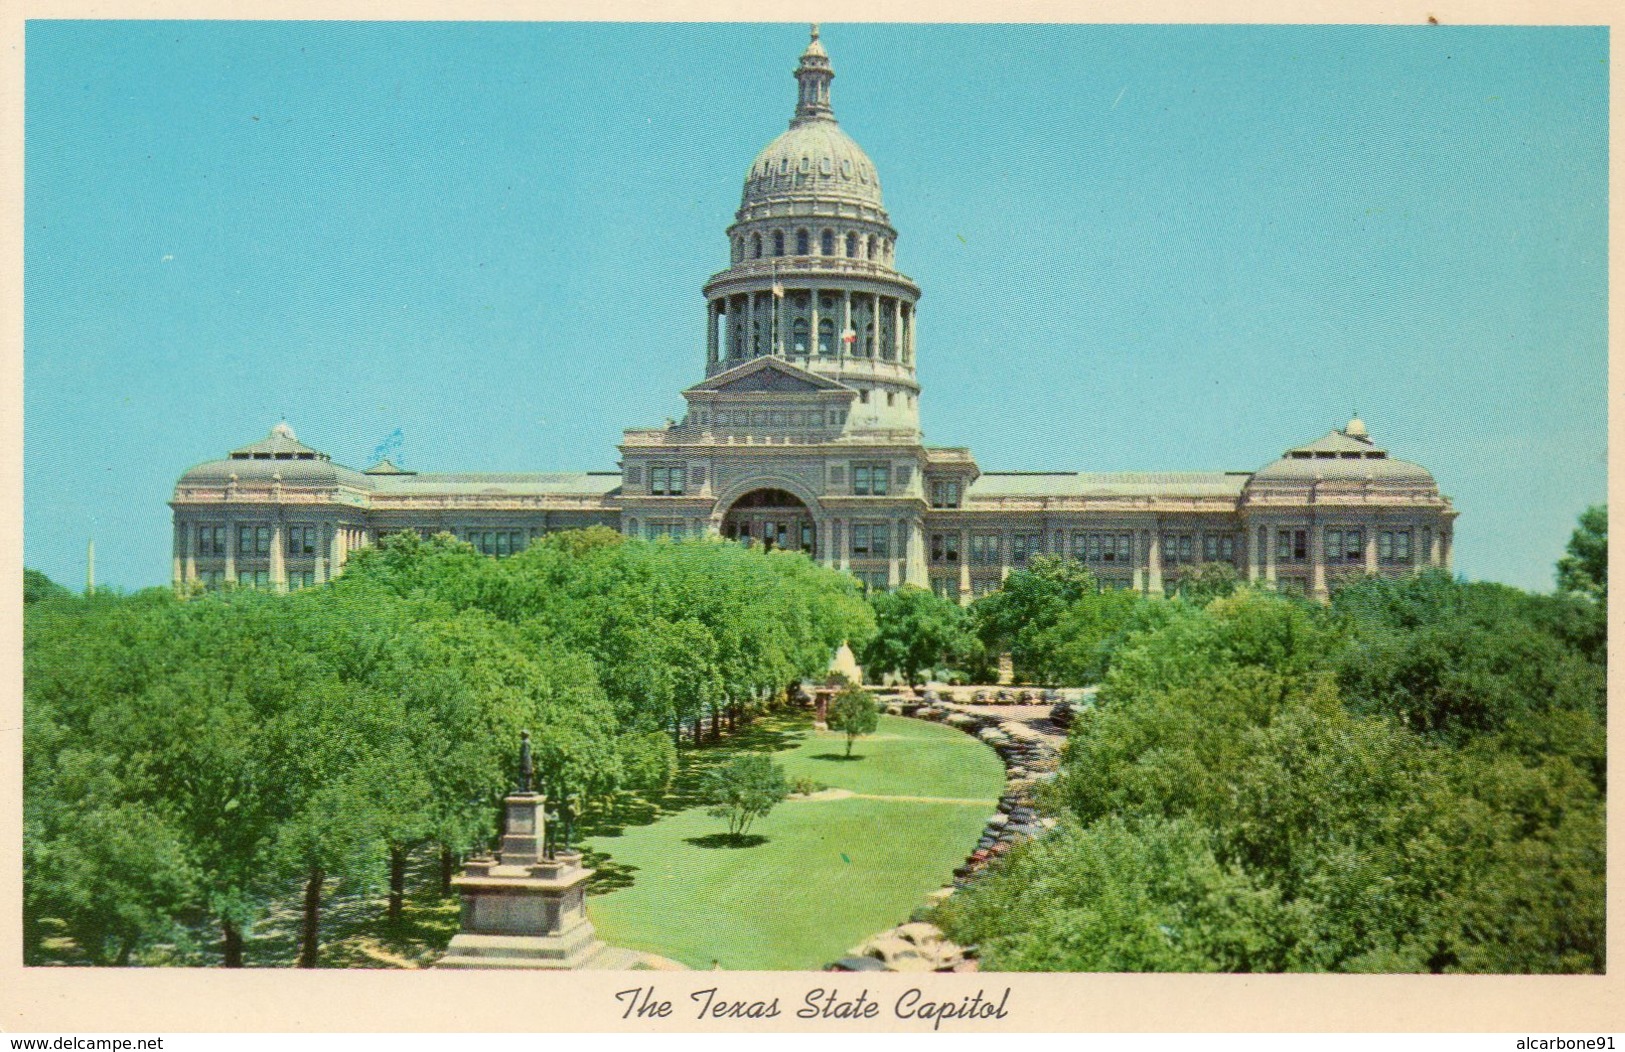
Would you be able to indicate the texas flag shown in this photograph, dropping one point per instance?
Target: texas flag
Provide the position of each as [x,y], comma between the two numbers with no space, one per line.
[849,336]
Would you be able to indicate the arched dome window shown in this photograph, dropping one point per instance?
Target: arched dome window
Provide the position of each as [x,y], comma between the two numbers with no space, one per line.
[874,244]
[826,336]
[869,339]
[798,336]
[756,246]
[852,246]
[803,243]
[827,243]
[778,242]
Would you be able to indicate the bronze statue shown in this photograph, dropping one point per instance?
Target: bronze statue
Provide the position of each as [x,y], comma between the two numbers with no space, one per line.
[527,767]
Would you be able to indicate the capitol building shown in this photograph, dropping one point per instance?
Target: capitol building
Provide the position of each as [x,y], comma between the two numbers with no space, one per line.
[804,434]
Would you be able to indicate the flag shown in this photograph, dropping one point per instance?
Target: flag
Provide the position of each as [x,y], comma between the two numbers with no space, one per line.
[849,336]
[778,289]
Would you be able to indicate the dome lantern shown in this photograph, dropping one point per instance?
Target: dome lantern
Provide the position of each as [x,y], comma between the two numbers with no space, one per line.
[814,75]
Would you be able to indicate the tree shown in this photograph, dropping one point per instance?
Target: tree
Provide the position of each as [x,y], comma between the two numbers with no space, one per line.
[37,586]
[1017,616]
[743,790]
[1585,568]
[853,712]
[1210,581]
[916,628]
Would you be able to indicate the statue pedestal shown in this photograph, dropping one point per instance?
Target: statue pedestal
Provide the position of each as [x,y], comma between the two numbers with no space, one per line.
[523,910]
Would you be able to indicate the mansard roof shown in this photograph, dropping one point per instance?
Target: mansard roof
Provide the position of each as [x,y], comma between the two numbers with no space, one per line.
[768,375]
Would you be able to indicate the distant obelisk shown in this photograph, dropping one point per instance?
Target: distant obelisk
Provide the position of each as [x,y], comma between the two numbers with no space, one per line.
[90,567]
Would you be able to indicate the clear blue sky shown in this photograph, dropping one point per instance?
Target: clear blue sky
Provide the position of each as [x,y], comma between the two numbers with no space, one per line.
[1140,248]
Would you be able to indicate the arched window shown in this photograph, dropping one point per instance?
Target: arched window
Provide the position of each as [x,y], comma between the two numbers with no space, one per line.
[868,340]
[778,242]
[852,246]
[756,339]
[756,246]
[826,336]
[874,244]
[737,350]
[827,243]
[803,243]
[798,336]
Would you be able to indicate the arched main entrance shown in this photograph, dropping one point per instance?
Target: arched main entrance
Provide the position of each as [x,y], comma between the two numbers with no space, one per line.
[773,518]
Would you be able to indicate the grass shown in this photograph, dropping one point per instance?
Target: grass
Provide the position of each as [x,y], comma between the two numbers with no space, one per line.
[815,876]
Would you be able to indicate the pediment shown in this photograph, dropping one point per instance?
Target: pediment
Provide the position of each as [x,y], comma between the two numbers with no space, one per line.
[768,376]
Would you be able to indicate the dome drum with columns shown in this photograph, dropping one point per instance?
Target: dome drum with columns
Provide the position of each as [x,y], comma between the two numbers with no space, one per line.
[804,435]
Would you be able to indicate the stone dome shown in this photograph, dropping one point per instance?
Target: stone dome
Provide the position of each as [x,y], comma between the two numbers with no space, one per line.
[815,158]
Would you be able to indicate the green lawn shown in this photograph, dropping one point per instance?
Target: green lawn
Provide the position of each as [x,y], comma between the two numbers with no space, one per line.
[829,873]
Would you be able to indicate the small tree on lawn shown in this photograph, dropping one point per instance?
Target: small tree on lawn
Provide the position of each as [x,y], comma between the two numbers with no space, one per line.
[852,713]
[743,790]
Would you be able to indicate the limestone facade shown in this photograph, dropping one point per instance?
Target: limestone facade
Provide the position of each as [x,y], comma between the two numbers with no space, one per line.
[805,435]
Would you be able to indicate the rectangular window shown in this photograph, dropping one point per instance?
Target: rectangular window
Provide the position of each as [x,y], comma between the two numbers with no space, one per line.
[666,481]
[301,540]
[211,540]
[1103,548]
[301,579]
[1291,546]
[1023,545]
[1394,546]
[874,580]
[1218,548]
[983,586]
[1178,549]
[880,546]
[984,548]
[675,531]
[946,587]
[945,493]
[860,538]
[871,480]
[945,547]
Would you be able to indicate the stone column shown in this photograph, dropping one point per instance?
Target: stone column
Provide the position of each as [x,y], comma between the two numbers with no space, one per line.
[1255,557]
[1317,559]
[894,563]
[711,333]
[1269,555]
[1153,556]
[897,329]
[178,547]
[843,546]
[874,321]
[964,568]
[1447,548]
[336,560]
[279,564]
[231,549]
[812,324]
[775,321]
[841,347]
[912,325]
[1371,547]
[189,549]
[918,570]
